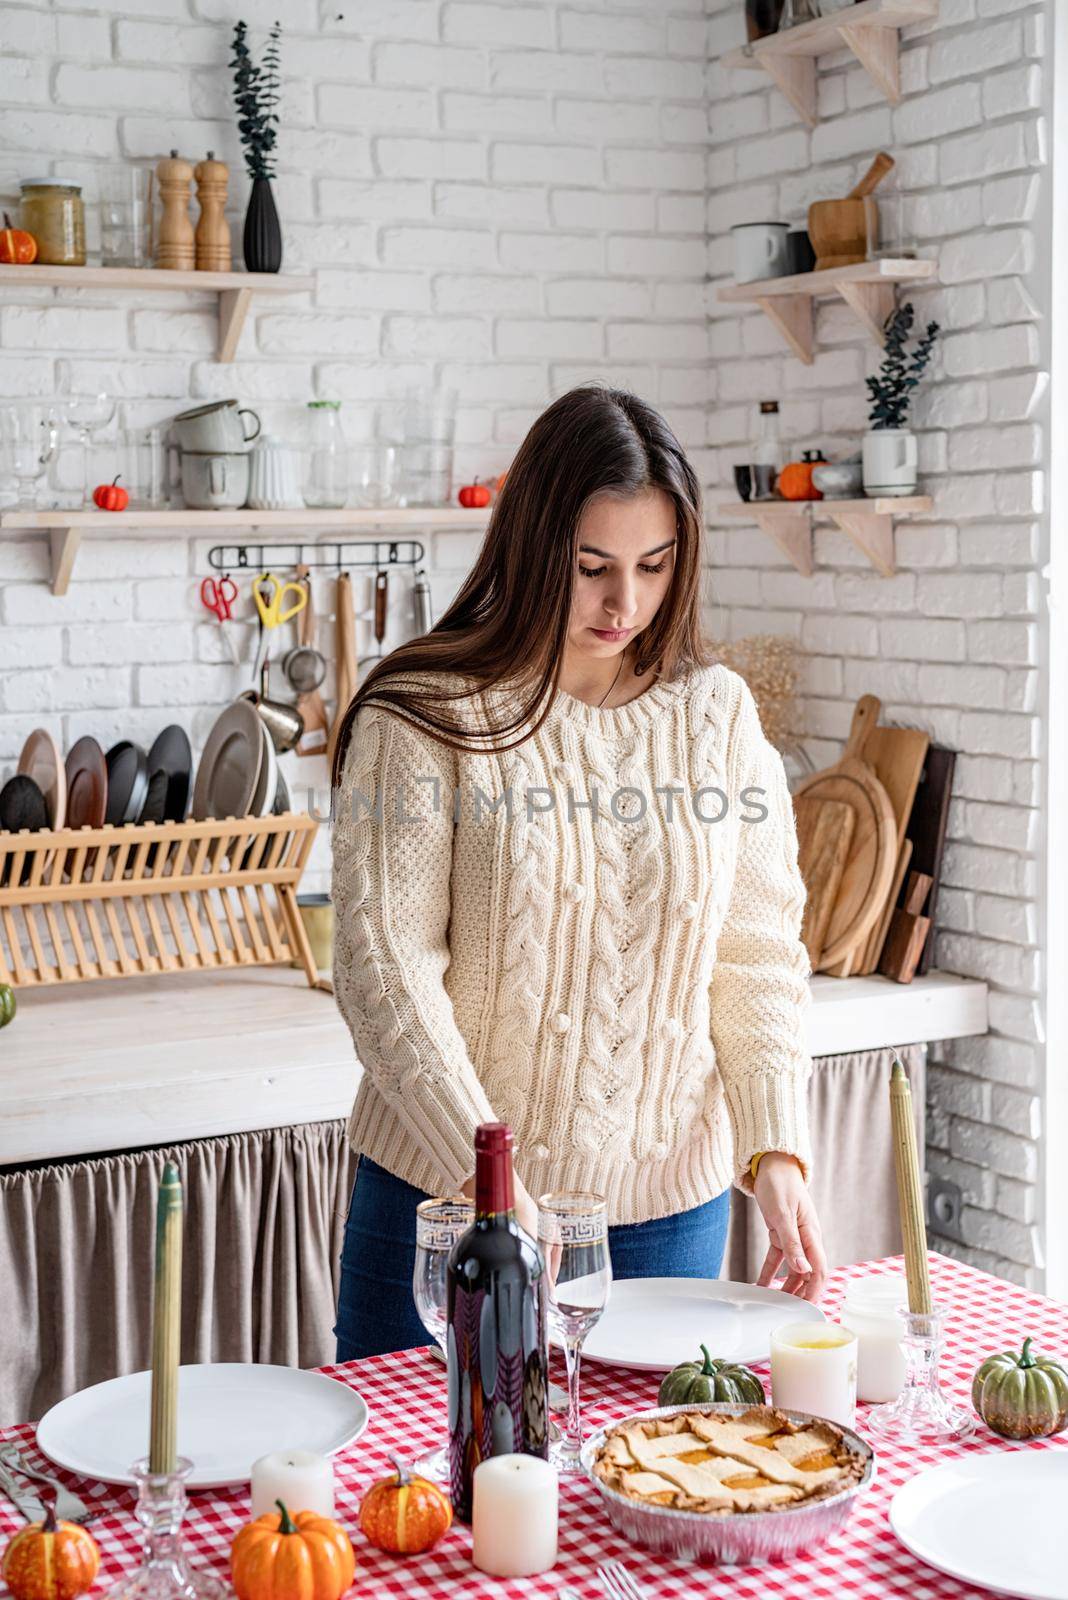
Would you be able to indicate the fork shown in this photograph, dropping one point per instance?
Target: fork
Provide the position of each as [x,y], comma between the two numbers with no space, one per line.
[618,1583]
[69,1507]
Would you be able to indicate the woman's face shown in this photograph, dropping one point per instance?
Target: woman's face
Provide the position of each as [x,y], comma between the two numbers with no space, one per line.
[624,568]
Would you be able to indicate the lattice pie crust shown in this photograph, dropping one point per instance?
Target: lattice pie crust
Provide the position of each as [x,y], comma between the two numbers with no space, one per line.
[701,1461]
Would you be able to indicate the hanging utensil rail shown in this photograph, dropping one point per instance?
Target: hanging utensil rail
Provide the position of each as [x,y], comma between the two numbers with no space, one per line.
[333,553]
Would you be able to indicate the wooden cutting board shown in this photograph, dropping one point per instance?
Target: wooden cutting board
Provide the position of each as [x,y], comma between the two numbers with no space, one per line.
[908,931]
[897,756]
[824,835]
[869,867]
[927,829]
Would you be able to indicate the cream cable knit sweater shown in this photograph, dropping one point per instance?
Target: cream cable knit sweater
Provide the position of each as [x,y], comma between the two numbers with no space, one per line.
[626,988]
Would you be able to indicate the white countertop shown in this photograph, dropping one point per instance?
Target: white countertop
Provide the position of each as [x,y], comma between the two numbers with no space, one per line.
[118,1065]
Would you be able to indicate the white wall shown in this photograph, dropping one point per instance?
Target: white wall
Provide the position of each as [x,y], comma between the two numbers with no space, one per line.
[508,198]
[955,643]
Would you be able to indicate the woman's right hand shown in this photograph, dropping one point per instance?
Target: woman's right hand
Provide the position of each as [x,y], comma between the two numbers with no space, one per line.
[526,1211]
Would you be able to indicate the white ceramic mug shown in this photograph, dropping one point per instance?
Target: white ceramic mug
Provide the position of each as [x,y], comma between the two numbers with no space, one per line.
[217,428]
[759,250]
[214,482]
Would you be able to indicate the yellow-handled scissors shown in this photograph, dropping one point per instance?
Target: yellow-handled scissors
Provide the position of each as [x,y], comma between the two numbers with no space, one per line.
[269,593]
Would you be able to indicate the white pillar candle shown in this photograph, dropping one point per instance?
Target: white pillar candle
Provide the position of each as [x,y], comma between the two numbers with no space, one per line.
[870,1308]
[814,1369]
[514,1516]
[299,1478]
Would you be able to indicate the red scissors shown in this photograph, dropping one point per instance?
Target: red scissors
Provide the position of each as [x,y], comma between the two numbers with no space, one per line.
[218,596]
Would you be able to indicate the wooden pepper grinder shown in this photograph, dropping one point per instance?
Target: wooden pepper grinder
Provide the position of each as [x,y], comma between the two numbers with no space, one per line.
[213,230]
[176,243]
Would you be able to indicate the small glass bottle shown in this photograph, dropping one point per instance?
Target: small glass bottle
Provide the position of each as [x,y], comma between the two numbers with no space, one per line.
[767,451]
[327,487]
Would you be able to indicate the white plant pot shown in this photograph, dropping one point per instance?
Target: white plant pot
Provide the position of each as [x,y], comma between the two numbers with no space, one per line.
[890,461]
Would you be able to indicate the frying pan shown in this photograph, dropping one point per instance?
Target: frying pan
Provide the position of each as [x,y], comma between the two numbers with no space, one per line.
[22,805]
[127,782]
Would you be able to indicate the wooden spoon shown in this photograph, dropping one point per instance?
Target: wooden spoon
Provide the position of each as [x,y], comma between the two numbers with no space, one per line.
[316,736]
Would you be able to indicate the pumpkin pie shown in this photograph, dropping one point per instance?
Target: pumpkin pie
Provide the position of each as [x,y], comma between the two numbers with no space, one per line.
[722,1464]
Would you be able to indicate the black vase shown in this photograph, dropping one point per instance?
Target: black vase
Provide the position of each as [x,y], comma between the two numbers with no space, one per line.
[263,232]
[762,18]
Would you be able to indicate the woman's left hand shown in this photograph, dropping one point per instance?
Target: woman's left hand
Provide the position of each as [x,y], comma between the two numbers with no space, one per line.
[793,1226]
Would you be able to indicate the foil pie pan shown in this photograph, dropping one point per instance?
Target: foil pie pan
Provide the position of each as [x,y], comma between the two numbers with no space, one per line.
[741,1537]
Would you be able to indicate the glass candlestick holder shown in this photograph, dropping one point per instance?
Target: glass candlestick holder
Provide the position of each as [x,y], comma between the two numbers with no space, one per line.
[922,1413]
[165,1572]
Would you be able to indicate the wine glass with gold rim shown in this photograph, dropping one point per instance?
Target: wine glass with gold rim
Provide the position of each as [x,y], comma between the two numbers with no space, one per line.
[438,1224]
[573,1238]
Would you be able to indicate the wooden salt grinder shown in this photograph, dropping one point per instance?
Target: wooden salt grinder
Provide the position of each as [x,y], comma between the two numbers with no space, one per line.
[175,244]
[213,230]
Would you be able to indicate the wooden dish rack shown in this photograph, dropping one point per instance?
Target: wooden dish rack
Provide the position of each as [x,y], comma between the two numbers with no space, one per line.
[120,902]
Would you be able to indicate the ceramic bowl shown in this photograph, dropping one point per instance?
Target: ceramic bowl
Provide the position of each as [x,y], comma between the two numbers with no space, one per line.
[839,480]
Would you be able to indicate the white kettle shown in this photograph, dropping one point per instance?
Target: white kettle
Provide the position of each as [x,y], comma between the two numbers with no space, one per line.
[274,480]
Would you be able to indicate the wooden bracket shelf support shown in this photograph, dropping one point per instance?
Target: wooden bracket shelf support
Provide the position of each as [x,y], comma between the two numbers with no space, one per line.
[233,309]
[64,544]
[869,523]
[791,531]
[869,28]
[867,287]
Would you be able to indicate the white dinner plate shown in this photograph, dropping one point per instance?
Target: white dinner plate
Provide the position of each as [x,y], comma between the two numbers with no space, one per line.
[229,1414]
[992,1520]
[653,1324]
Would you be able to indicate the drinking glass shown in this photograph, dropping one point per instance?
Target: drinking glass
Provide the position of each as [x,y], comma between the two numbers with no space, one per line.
[89,415]
[373,475]
[28,436]
[573,1237]
[126,215]
[429,437]
[438,1225]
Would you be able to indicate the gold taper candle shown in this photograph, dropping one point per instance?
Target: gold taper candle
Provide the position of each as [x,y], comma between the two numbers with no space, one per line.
[166,1323]
[909,1190]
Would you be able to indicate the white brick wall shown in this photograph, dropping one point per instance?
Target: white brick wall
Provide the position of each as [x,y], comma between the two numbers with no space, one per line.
[506,197]
[516,196]
[954,642]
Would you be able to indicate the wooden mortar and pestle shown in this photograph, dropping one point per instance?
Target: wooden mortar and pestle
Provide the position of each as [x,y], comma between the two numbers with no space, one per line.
[840,230]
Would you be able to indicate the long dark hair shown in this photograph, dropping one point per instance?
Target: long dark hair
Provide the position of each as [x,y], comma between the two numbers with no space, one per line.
[509,620]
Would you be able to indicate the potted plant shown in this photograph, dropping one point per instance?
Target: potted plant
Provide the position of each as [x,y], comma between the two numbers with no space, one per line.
[256,99]
[889,452]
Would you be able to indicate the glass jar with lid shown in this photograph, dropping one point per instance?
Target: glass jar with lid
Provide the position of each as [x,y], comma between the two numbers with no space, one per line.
[327,485]
[52,210]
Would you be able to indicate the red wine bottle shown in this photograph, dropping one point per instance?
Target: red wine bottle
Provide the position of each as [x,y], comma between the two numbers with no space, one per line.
[498,1353]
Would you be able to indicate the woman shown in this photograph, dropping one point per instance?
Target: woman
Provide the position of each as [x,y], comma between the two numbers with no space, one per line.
[566,889]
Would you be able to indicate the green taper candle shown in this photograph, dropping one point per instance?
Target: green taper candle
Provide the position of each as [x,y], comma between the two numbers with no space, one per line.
[166,1323]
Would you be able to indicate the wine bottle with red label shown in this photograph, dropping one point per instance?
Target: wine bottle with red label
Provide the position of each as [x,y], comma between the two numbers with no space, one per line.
[498,1353]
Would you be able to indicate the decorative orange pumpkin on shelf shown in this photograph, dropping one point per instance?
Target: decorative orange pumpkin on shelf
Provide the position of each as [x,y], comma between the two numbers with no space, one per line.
[50,1560]
[404,1514]
[795,479]
[17,247]
[474,495]
[299,1557]
[112,497]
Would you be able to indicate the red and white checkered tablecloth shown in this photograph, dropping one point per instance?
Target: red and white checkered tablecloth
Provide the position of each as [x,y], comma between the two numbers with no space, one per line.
[405,1393]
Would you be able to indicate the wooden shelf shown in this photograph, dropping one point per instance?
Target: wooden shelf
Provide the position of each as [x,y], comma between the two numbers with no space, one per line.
[234,289]
[66,528]
[869,29]
[867,287]
[869,523]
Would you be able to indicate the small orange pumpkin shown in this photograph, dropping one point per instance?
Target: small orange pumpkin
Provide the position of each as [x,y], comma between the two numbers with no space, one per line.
[404,1514]
[50,1560]
[17,247]
[795,479]
[300,1557]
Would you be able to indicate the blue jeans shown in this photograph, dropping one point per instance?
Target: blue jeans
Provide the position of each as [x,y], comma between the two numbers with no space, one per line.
[376,1311]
